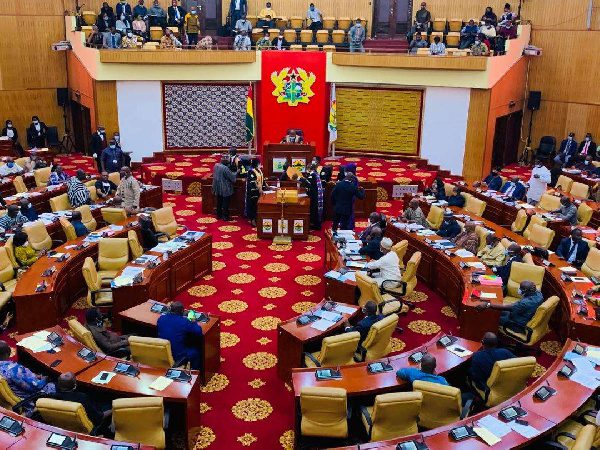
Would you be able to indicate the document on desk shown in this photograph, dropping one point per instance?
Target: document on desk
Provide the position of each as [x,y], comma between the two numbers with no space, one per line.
[486,436]
[494,425]
[356,264]
[333,274]
[585,379]
[35,344]
[487,295]
[132,272]
[343,309]
[161,383]
[349,276]
[476,265]
[425,232]
[459,351]
[328,315]
[527,431]
[321,324]
[462,253]
[109,376]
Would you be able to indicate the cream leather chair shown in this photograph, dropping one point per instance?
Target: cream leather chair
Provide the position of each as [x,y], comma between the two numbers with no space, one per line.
[335,350]
[60,203]
[8,280]
[10,252]
[580,190]
[8,399]
[508,378]
[528,259]
[439,24]
[522,272]
[378,342]
[42,176]
[537,327]
[535,220]
[564,183]
[400,249]
[324,412]
[67,415]
[475,206]
[140,419]
[441,404]
[573,435]
[87,218]
[435,217]
[409,276]
[89,17]
[68,229]
[113,255]
[584,214]
[83,335]
[113,215]
[520,221]
[370,290]
[541,236]
[455,25]
[164,221]
[19,184]
[549,202]
[591,265]
[93,193]
[38,236]
[156,33]
[134,245]
[98,294]
[482,233]
[153,352]
[392,415]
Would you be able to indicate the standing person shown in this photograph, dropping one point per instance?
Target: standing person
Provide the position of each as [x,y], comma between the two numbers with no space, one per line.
[237,10]
[112,158]
[176,16]
[36,133]
[223,183]
[129,190]
[538,183]
[357,35]
[422,22]
[342,197]
[97,144]
[316,20]
[179,331]
[192,26]
[315,193]
[255,186]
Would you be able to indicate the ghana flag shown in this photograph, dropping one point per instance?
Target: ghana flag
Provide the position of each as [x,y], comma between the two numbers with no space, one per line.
[249,115]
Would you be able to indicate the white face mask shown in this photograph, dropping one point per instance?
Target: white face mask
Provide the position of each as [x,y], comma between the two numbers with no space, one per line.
[570,138]
[520,292]
[129,35]
[588,139]
[35,122]
[587,163]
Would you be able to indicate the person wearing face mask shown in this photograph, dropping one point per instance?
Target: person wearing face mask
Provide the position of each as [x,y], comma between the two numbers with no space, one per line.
[573,249]
[169,40]
[113,39]
[36,133]
[105,22]
[10,131]
[264,43]
[489,15]
[176,15]
[112,158]
[468,34]
[479,48]
[586,165]
[255,187]
[567,211]
[140,10]
[28,210]
[514,253]
[157,17]
[568,149]
[57,176]
[130,40]
[139,27]
[449,228]
[493,253]
[97,144]
[316,20]
[266,17]
[238,10]
[13,219]
[493,181]
[106,9]
[538,182]
[242,24]
[488,31]
[129,190]
[279,43]
[357,36]
[122,24]
[514,189]
[587,148]
[124,9]
[10,168]
[192,26]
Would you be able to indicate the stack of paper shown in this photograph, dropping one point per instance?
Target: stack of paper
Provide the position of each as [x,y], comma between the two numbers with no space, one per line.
[35,344]
[425,232]
[343,309]
[161,383]
[333,274]
[459,351]
[490,280]
[476,265]
[109,376]
[327,319]
[462,253]
[494,425]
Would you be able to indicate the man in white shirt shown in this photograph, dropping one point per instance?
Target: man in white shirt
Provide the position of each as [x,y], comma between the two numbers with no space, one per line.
[243,24]
[538,183]
[316,20]
[10,168]
[242,42]
[388,265]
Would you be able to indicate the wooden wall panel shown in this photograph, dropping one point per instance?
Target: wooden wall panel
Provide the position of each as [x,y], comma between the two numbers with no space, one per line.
[20,105]
[475,145]
[107,114]
[33,7]
[460,9]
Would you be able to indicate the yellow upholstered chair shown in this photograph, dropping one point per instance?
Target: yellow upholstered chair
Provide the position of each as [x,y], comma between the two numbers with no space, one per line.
[93,193]
[280,22]
[322,37]
[113,255]
[452,39]
[256,34]
[296,47]
[522,272]
[156,33]
[19,184]
[441,404]
[343,23]
[140,419]
[584,214]
[439,24]
[89,17]
[392,415]
[82,334]
[10,251]
[329,48]
[38,236]
[329,23]
[274,32]
[21,162]
[68,229]
[8,278]
[306,36]
[520,221]
[508,378]
[252,20]
[535,220]
[573,435]
[8,399]
[435,217]
[439,34]
[563,183]
[134,245]
[538,326]
[400,249]
[338,36]
[87,218]
[290,35]
[378,342]
[591,265]
[67,415]
[475,206]
[164,221]
[409,276]
[296,22]
[150,45]
[482,233]
[449,189]
[528,259]
[541,236]
[97,294]
[324,412]
[549,202]
[60,203]
[580,190]
[335,350]
[153,352]
[113,215]
[455,25]
[41,176]
[369,290]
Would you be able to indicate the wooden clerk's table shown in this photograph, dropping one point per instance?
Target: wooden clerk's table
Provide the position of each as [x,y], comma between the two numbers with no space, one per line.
[182,399]
[269,208]
[279,150]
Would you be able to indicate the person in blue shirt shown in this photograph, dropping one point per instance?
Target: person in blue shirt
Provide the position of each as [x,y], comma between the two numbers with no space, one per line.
[364,325]
[178,330]
[112,158]
[468,34]
[493,180]
[57,176]
[80,228]
[482,361]
[456,199]
[450,227]
[28,210]
[425,373]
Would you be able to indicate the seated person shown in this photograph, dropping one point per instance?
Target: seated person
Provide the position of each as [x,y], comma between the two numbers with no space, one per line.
[66,390]
[493,254]
[488,31]
[437,189]
[264,43]
[573,249]
[148,233]
[388,265]
[28,210]
[482,361]
[514,253]
[468,239]
[292,138]
[266,17]
[437,48]
[456,199]
[24,253]
[514,188]
[517,315]
[587,147]
[371,246]
[80,228]
[178,330]
[414,214]
[468,35]
[449,228]
[479,47]
[57,175]
[374,221]
[104,187]
[20,379]
[493,181]
[425,373]
[109,342]
[10,168]
[139,26]
[586,165]
[364,325]
[567,211]
[12,219]
[422,22]
[243,24]
[417,43]
[77,191]
[489,15]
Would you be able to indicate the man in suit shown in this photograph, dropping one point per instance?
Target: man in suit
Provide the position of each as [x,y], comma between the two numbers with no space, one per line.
[514,189]
[36,133]
[364,325]
[342,198]
[222,187]
[237,10]
[573,249]
[568,149]
[567,211]
[374,221]
[456,199]
[587,147]
[112,39]
[513,254]
[179,331]
[279,43]
[176,15]
[124,8]
[449,228]
[98,143]
[66,390]
[371,246]
[493,180]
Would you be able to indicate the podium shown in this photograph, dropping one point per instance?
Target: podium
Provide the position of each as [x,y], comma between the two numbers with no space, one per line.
[274,154]
[288,218]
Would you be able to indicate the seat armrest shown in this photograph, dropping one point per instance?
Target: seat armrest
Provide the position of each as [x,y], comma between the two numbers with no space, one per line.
[565,434]
[180,362]
[18,407]
[312,358]
[466,409]
[2,287]
[367,416]
[56,243]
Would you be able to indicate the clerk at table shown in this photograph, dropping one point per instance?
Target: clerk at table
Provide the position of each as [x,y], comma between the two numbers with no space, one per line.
[178,330]
[573,249]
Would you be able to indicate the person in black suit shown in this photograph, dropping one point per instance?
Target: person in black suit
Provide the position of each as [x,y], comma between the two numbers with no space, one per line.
[587,147]
[237,9]
[279,43]
[363,326]
[372,244]
[36,133]
[105,21]
[568,149]
[449,228]
[573,249]
[124,8]
[342,198]
[514,253]
[374,221]
[11,132]
[175,15]
[97,144]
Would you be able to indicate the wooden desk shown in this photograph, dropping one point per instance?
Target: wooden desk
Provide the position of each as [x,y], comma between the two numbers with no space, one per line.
[295,151]
[7,186]
[270,209]
[140,320]
[236,202]
[293,340]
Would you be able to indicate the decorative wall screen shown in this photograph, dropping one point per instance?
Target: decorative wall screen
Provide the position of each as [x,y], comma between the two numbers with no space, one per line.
[382,120]
[204,115]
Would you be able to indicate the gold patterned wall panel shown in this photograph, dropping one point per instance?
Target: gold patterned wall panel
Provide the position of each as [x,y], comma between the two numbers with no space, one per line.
[382,120]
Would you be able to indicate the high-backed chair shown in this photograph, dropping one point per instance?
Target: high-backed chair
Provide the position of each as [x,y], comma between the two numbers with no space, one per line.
[164,221]
[140,419]
[98,295]
[344,23]
[134,245]
[580,190]
[290,35]
[435,217]
[324,412]
[508,378]
[113,255]
[8,278]
[400,249]
[520,221]
[115,177]
[153,352]
[38,236]
[322,36]
[541,236]
[439,24]
[392,415]
[455,25]
[573,435]
[82,334]
[584,214]
[475,206]
[482,234]
[409,276]
[335,350]
[10,252]
[60,203]
[528,259]
[8,398]
[522,272]
[306,36]
[89,17]
[378,342]
[329,23]
[87,218]
[42,176]
[537,327]
[549,202]
[68,229]
[93,193]
[338,36]
[67,415]
[564,183]
[19,184]
[113,215]
[296,22]
[156,33]
[591,265]
[370,290]
[441,404]
[453,39]
[534,220]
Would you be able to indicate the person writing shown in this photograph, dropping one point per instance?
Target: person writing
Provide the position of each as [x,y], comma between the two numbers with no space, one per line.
[179,331]
[388,265]
[567,211]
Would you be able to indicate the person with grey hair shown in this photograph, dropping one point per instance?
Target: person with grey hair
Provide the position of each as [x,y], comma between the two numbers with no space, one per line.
[388,265]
